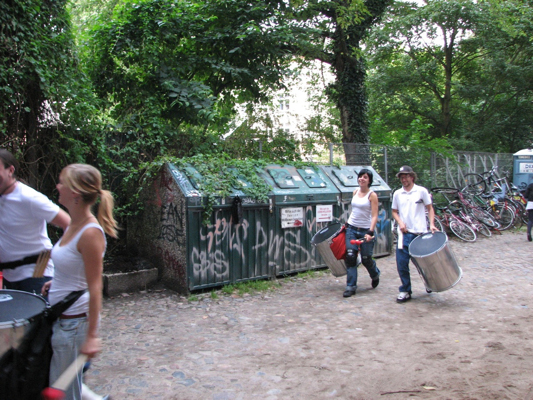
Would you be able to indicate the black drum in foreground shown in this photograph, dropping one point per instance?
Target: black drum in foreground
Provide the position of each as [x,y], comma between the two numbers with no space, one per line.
[17,310]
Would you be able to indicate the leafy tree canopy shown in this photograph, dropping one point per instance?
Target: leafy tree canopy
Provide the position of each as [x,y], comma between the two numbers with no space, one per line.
[47,110]
[460,67]
[181,61]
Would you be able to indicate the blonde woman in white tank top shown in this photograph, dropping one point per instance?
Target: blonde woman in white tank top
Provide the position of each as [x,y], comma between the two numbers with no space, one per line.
[78,258]
[360,226]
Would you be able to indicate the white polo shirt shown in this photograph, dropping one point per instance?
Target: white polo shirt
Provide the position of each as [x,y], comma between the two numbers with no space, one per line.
[411,206]
[23,216]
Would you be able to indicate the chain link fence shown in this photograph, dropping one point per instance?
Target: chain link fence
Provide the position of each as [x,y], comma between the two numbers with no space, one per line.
[433,169]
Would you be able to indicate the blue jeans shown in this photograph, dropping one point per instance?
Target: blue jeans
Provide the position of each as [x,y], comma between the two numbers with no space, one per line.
[30,285]
[67,338]
[402,263]
[367,249]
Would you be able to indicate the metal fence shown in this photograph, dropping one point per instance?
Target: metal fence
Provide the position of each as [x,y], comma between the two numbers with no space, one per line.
[433,169]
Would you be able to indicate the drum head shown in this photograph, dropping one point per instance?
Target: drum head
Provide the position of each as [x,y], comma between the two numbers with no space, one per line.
[16,305]
[326,233]
[427,244]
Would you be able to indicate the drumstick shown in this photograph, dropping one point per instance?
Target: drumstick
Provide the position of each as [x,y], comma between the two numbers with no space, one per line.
[57,390]
[357,242]
[41,263]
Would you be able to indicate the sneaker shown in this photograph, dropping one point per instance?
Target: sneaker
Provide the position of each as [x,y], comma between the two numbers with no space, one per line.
[403,297]
[375,282]
[348,293]
[528,237]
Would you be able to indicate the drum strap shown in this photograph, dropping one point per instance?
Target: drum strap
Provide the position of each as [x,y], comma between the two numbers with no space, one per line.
[57,309]
[18,263]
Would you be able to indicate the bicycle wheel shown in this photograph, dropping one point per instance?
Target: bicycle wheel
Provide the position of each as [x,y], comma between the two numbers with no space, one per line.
[523,213]
[520,212]
[525,216]
[436,222]
[462,231]
[483,229]
[474,184]
[484,217]
[504,216]
[440,222]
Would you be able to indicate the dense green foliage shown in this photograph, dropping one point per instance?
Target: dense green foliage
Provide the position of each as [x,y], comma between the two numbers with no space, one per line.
[462,68]
[221,177]
[135,81]
[46,105]
[169,74]
[160,64]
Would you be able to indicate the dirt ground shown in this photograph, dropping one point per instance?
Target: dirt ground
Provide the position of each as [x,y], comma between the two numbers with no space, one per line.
[304,340]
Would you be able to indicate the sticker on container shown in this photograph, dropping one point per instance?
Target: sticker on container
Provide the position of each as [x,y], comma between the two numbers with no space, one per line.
[526,168]
[292,217]
[324,213]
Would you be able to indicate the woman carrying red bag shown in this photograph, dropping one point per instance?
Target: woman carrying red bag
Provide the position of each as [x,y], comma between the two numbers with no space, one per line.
[360,226]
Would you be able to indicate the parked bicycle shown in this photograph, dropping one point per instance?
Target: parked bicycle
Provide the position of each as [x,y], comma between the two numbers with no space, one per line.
[498,196]
[460,210]
[473,213]
[453,223]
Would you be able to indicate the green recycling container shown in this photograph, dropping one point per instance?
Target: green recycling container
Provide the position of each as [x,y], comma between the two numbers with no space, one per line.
[303,200]
[232,248]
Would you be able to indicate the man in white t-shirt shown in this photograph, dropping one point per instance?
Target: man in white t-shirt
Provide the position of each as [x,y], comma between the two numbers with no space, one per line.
[24,213]
[409,205]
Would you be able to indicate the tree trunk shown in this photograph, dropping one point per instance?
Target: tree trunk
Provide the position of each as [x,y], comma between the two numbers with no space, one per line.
[350,93]
[446,104]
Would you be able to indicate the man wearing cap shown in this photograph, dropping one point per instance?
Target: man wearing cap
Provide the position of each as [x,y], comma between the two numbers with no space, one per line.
[409,206]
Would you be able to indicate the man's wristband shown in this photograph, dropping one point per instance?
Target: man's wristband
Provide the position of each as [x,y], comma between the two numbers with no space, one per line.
[370,233]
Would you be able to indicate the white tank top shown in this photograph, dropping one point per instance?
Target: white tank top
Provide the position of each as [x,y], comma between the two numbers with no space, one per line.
[70,273]
[361,211]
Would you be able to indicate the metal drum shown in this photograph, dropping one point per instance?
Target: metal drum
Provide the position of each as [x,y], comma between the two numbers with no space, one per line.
[435,261]
[16,311]
[322,241]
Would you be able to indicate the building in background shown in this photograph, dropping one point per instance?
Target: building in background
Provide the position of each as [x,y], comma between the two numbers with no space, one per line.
[295,110]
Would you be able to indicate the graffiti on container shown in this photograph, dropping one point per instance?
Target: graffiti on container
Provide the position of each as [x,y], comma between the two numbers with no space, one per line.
[216,236]
[171,233]
[239,243]
[294,254]
[255,247]
[382,226]
[261,239]
[239,237]
[172,262]
[248,200]
[209,267]
[184,183]
[171,228]
[164,183]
